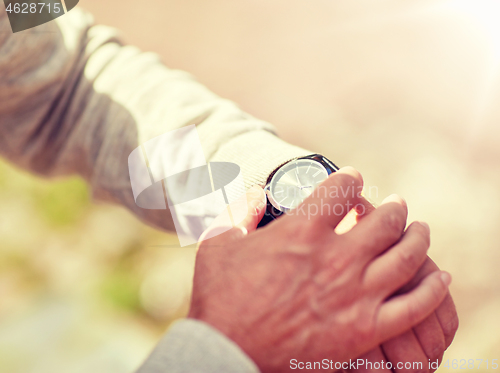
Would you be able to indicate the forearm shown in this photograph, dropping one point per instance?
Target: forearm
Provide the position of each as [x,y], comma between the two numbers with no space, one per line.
[73,99]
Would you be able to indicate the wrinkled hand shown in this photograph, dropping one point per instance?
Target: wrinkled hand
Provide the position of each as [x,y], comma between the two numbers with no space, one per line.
[427,341]
[296,289]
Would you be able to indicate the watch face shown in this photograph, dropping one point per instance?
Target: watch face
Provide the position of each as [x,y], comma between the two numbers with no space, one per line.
[294,182]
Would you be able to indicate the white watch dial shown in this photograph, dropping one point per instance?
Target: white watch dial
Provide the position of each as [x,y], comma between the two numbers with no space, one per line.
[295,181]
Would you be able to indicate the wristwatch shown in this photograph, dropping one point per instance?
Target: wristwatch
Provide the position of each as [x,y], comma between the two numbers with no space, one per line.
[293,182]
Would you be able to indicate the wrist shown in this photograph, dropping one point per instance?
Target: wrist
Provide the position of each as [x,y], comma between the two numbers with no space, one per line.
[258,153]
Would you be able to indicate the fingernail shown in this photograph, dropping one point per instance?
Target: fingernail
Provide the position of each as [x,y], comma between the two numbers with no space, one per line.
[425,225]
[446,278]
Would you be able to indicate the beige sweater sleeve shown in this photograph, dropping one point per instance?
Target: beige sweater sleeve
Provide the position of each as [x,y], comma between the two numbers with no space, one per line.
[74,99]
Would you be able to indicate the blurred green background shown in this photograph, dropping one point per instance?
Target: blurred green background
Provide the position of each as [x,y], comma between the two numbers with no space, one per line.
[83,287]
[405,91]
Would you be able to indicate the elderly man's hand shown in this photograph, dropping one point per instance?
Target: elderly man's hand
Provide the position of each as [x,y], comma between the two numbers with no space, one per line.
[426,342]
[297,291]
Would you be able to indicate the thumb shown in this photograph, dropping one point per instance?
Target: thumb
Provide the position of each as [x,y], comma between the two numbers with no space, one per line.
[256,207]
[253,202]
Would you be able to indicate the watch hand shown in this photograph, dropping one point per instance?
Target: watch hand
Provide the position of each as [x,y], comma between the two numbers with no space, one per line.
[298,181]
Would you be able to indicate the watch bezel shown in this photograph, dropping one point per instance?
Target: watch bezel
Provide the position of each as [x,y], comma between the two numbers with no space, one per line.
[274,210]
[281,208]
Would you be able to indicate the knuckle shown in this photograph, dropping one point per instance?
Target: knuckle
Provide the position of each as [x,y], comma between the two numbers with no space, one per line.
[340,263]
[365,331]
[394,222]
[412,314]
[362,321]
[408,261]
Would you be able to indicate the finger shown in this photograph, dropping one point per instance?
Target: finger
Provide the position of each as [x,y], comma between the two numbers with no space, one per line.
[256,207]
[384,226]
[364,207]
[446,313]
[391,270]
[402,312]
[332,199]
[373,361]
[353,217]
[431,338]
[425,269]
[347,223]
[447,316]
[252,204]
[406,354]
[428,333]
